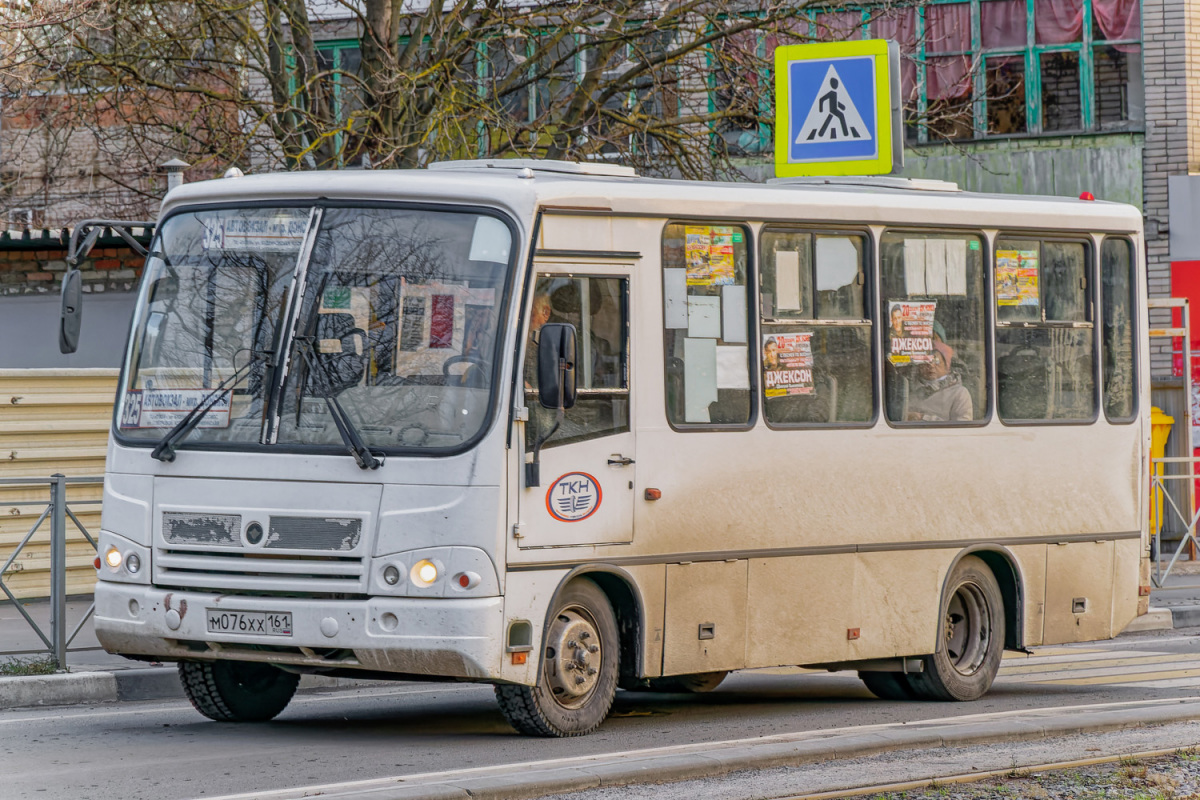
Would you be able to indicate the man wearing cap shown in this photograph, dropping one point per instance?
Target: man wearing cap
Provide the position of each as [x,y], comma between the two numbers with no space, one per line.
[941,396]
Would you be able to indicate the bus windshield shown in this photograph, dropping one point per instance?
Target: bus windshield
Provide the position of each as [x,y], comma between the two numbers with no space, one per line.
[398,323]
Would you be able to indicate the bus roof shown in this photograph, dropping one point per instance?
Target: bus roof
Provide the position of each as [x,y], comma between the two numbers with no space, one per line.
[523,186]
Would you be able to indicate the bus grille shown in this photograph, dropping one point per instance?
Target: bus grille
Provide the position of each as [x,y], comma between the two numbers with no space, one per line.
[300,556]
[218,529]
[311,533]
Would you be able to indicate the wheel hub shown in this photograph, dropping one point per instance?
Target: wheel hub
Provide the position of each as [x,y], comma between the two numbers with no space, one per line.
[573,657]
[967,629]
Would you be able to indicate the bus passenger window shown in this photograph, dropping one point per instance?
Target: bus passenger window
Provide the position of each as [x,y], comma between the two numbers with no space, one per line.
[598,309]
[706,322]
[933,302]
[1117,314]
[816,346]
[1044,348]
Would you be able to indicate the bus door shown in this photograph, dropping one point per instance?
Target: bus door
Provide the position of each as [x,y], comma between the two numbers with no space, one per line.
[586,460]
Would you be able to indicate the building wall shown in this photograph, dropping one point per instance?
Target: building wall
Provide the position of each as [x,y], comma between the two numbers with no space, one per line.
[1108,166]
[1169,31]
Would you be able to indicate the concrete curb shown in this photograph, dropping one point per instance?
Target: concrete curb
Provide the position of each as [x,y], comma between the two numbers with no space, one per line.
[142,683]
[1157,619]
[703,761]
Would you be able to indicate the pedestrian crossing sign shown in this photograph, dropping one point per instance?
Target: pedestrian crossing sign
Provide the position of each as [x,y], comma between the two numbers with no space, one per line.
[837,109]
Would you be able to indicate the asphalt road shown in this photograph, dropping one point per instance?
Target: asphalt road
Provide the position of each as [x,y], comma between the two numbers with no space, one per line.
[165,750]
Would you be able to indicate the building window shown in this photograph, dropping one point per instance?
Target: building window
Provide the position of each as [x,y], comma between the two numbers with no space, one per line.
[342,61]
[984,68]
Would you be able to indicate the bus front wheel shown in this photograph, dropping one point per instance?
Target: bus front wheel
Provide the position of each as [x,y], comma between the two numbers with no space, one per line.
[237,691]
[970,640]
[578,679]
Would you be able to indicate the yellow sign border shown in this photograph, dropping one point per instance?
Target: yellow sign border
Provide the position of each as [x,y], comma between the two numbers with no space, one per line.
[880,165]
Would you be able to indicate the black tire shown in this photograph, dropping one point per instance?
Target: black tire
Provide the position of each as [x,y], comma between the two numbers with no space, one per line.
[578,677]
[888,685]
[698,683]
[237,691]
[971,639]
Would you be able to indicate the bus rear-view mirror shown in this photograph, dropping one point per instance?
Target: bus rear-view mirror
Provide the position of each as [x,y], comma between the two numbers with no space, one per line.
[71,316]
[556,365]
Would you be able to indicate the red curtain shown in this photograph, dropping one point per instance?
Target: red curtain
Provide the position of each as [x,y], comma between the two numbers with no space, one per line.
[900,25]
[1002,23]
[947,30]
[1061,21]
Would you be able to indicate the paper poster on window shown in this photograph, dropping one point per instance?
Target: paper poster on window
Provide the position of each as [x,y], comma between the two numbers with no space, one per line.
[696,247]
[709,254]
[720,256]
[787,364]
[910,331]
[1017,277]
[255,231]
[432,325]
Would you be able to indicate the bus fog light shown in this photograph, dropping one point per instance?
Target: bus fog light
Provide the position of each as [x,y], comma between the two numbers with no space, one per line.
[133,563]
[391,575]
[424,573]
[113,558]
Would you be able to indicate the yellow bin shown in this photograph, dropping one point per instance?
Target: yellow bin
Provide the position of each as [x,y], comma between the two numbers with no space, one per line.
[1160,429]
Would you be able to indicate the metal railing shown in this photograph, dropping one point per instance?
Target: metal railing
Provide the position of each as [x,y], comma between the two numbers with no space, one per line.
[57,510]
[1161,500]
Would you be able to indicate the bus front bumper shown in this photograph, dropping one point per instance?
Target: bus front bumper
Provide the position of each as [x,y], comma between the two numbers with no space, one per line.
[438,637]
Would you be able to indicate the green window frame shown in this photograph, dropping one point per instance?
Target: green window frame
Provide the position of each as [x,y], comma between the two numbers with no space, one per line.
[1031,54]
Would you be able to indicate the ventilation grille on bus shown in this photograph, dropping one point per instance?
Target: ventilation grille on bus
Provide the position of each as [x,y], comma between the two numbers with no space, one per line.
[211,529]
[330,534]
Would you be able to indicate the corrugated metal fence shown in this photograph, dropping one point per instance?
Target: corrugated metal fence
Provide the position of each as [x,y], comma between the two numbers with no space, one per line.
[51,421]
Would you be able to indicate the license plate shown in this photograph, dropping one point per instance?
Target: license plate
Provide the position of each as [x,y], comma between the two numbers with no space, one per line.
[261,623]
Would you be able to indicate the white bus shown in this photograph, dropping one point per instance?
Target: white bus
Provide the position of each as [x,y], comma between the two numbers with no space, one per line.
[563,429]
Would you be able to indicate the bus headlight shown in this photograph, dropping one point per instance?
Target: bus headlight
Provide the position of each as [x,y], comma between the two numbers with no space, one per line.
[113,558]
[424,573]
[391,575]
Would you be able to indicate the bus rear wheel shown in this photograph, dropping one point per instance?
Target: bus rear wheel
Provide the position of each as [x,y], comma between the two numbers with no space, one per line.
[888,685]
[971,638]
[578,679]
[237,691]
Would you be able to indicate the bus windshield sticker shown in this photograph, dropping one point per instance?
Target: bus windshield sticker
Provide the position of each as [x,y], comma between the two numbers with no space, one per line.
[675,310]
[911,331]
[699,378]
[573,497]
[274,231]
[704,317]
[163,408]
[1017,277]
[131,411]
[787,364]
[733,314]
[732,370]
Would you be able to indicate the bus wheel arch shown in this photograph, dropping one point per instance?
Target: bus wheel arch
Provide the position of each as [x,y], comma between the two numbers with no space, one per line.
[626,601]
[1008,575]
[578,665]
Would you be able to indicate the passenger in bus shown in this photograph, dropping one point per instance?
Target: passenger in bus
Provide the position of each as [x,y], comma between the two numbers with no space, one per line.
[539,317]
[939,396]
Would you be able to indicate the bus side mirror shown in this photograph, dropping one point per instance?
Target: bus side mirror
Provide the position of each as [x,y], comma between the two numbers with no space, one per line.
[71,318]
[556,365]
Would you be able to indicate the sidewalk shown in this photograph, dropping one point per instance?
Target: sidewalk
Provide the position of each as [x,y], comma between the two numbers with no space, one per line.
[93,676]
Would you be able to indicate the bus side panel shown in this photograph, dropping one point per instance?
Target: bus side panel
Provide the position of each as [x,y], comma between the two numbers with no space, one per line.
[802,607]
[1078,604]
[897,596]
[1127,568]
[705,617]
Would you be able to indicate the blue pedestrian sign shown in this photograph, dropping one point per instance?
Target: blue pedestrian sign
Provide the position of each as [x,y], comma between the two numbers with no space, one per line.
[836,110]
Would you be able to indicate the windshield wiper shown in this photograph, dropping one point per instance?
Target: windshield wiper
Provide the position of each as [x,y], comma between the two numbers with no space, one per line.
[165,449]
[341,420]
